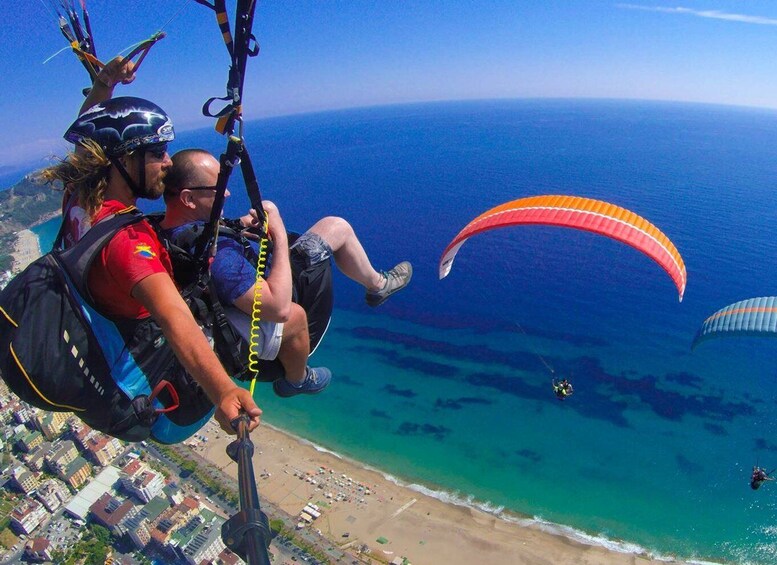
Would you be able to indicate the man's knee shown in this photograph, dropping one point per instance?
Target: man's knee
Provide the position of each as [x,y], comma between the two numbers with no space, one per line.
[298,321]
[333,229]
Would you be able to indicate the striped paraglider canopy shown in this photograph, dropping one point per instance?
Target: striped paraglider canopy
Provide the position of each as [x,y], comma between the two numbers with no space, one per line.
[751,317]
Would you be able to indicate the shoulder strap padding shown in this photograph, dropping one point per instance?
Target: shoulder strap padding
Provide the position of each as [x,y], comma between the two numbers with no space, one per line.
[77,260]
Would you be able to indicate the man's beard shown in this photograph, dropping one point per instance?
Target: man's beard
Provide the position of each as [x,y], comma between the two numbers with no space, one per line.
[152,191]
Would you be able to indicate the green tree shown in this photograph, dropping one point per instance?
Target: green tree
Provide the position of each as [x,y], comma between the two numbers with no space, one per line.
[101,534]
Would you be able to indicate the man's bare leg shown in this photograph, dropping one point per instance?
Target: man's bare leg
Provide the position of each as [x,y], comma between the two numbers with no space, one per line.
[350,256]
[295,346]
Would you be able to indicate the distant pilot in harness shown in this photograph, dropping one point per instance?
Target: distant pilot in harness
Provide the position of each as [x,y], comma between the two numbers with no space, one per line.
[562,389]
[759,477]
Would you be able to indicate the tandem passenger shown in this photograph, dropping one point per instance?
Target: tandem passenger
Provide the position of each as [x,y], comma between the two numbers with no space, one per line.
[297,295]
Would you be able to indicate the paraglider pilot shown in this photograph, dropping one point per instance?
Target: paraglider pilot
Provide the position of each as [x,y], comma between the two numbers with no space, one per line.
[562,389]
[759,477]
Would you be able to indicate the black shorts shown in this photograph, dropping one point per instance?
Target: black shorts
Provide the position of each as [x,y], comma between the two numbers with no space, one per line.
[311,267]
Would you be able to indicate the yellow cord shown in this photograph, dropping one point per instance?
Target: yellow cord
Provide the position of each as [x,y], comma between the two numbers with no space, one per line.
[256,309]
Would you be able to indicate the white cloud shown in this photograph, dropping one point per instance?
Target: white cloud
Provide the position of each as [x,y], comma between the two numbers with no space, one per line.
[713,14]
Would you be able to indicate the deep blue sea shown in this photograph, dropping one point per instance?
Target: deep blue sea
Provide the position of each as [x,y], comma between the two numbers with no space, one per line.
[447,385]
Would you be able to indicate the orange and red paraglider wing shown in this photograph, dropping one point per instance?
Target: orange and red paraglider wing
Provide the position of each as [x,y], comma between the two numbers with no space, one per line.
[580,213]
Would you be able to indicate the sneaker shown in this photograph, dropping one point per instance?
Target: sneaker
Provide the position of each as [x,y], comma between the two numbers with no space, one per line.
[315,381]
[396,279]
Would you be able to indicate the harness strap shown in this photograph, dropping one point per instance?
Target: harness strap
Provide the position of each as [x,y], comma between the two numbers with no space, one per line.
[165,385]
[80,257]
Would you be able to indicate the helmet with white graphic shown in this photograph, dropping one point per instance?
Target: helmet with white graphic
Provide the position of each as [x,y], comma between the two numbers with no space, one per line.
[121,125]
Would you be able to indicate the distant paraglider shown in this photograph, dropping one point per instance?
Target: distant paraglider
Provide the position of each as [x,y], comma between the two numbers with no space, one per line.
[751,317]
[580,213]
[759,477]
[562,389]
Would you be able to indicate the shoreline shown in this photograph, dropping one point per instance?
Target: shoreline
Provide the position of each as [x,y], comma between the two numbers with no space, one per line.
[27,245]
[362,506]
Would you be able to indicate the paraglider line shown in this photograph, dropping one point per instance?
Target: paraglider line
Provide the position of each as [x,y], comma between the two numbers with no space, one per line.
[540,357]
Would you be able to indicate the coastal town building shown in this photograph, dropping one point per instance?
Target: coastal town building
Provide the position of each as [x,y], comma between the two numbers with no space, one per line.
[173,519]
[27,516]
[139,526]
[36,458]
[141,481]
[38,550]
[23,413]
[101,449]
[78,507]
[226,557]
[62,454]
[52,494]
[24,480]
[77,472]
[79,432]
[206,544]
[29,440]
[50,424]
[111,513]
[13,432]
[173,494]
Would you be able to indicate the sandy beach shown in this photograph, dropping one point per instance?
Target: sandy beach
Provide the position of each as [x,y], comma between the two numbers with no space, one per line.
[359,506]
[26,249]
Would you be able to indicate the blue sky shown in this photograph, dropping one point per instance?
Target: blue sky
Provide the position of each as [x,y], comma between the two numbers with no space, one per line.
[328,54]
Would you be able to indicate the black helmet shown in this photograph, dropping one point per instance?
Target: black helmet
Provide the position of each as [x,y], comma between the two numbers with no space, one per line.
[122,124]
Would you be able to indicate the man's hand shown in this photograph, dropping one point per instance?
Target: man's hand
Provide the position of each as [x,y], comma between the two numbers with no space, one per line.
[274,222]
[231,404]
[276,229]
[251,220]
[117,70]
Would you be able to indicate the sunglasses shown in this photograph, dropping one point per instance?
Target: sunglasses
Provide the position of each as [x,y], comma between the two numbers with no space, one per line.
[157,151]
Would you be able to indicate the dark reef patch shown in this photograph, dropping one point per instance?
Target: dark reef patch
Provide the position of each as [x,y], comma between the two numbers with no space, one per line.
[686,379]
[488,324]
[764,444]
[413,429]
[715,429]
[667,404]
[343,378]
[458,403]
[521,360]
[598,393]
[687,465]
[403,392]
[410,362]
[532,456]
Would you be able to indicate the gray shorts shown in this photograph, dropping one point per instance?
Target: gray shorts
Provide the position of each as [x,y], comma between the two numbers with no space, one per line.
[270,334]
[312,247]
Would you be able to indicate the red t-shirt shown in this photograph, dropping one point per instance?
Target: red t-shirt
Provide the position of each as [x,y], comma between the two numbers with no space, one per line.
[133,254]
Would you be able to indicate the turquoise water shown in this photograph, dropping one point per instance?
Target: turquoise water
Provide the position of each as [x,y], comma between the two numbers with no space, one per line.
[47,233]
[448,384]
